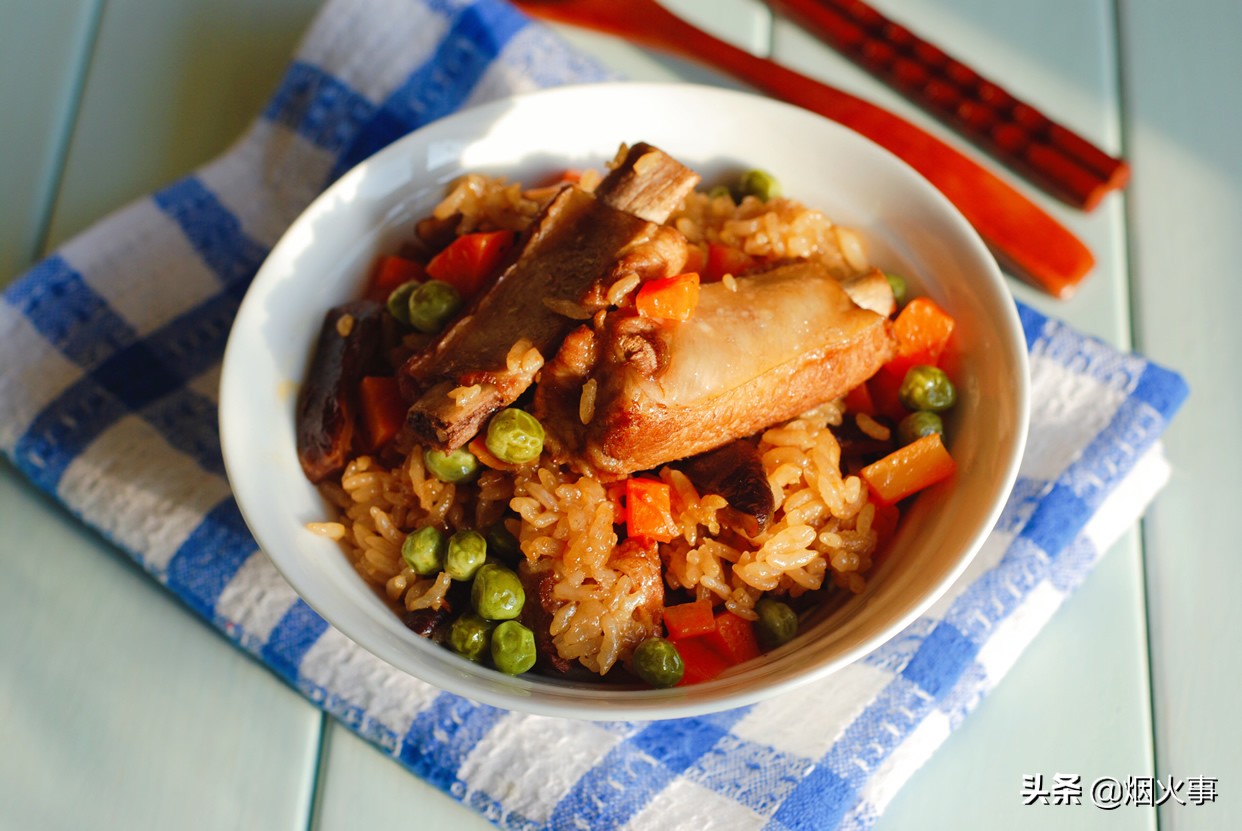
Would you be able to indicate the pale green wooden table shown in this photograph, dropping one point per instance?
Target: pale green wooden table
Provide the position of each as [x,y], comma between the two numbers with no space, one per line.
[119,710]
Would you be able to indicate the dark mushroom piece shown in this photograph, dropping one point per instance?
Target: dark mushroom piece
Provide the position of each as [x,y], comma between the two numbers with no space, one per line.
[735,472]
[348,345]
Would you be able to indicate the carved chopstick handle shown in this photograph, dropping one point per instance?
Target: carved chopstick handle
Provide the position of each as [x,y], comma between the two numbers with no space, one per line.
[1051,155]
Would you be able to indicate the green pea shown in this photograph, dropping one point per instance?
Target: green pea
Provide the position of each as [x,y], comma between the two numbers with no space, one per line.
[432,305]
[497,592]
[503,544]
[658,662]
[515,436]
[467,551]
[456,466]
[719,191]
[399,301]
[760,184]
[927,388]
[898,284]
[423,551]
[777,622]
[513,648]
[918,424]
[470,636]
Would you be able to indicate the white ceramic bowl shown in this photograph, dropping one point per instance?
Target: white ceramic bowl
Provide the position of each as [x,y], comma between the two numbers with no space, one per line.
[908,227]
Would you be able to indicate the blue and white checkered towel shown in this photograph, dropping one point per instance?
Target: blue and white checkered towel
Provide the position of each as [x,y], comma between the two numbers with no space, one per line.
[109,359]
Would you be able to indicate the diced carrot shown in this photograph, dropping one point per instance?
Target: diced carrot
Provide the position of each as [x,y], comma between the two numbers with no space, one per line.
[918,465]
[390,272]
[724,259]
[922,329]
[567,175]
[734,638]
[689,620]
[478,446]
[669,298]
[471,260]
[649,510]
[383,409]
[548,187]
[858,400]
[702,663]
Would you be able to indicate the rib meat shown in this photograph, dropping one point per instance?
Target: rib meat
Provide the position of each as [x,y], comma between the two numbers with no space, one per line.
[785,341]
[579,246]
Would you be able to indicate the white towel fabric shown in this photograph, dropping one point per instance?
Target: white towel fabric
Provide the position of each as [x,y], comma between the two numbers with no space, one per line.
[109,363]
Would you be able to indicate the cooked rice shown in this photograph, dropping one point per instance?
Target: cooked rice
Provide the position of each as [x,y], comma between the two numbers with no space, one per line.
[872,428]
[379,506]
[486,203]
[490,203]
[778,229]
[821,533]
[329,530]
[822,526]
[428,593]
[464,396]
[523,358]
[586,404]
[567,308]
[620,290]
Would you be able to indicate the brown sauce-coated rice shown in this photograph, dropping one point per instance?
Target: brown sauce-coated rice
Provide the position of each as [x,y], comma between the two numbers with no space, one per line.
[821,534]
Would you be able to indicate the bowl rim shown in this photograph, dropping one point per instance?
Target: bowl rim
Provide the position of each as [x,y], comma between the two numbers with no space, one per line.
[545,697]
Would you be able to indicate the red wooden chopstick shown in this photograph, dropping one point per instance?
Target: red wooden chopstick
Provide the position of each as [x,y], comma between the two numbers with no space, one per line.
[1051,155]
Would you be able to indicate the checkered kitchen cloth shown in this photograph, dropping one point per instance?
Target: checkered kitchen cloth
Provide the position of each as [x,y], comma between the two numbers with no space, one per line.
[109,361]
